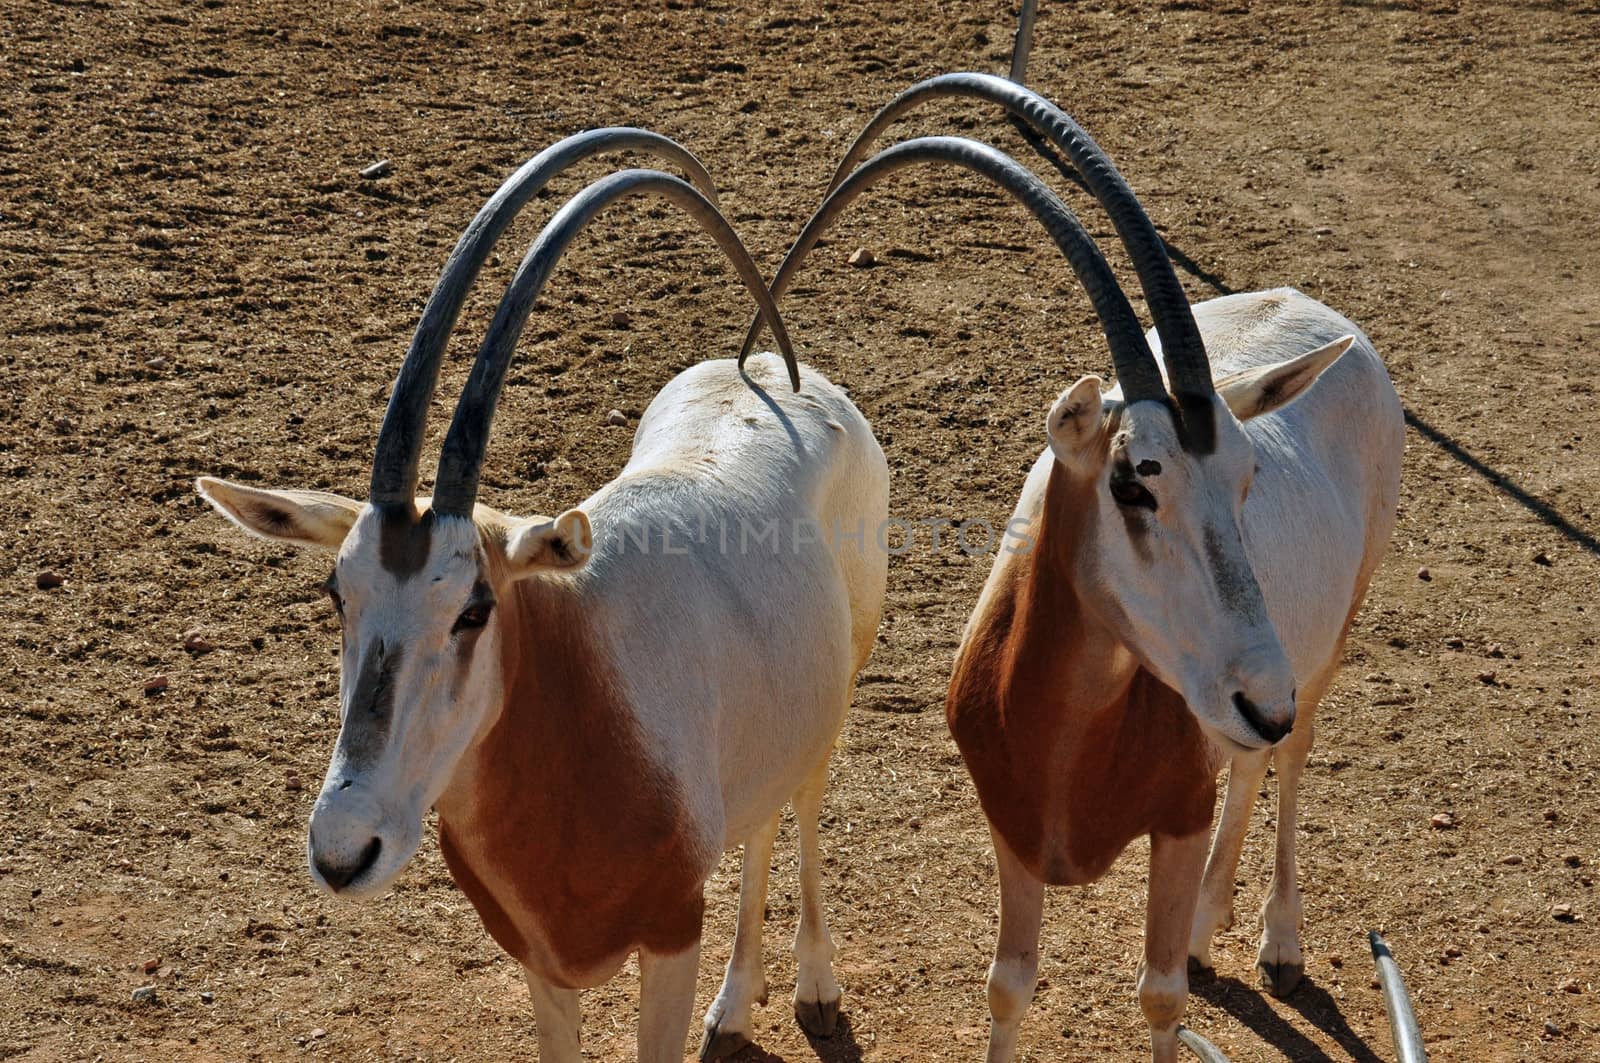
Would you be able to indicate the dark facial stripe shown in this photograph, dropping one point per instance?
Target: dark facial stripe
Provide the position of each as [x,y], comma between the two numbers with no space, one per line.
[404,540]
[1234,581]
[1134,521]
[466,641]
[1197,427]
[366,724]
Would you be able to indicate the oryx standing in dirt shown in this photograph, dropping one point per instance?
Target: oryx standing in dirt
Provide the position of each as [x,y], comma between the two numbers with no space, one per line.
[601,703]
[1201,536]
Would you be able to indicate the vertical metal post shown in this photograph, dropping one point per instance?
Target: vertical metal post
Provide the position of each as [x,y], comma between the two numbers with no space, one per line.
[1023,43]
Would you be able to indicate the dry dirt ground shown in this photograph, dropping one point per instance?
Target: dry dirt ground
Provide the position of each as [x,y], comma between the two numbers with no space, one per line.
[196,280]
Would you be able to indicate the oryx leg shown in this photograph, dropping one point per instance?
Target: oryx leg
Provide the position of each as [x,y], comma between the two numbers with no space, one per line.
[1214,911]
[1279,962]
[1015,969]
[728,1023]
[816,993]
[557,1020]
[666,1002]
[1176,867]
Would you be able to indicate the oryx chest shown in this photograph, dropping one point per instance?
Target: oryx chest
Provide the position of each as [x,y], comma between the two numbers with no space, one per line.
[1069,788]
[574,868]
[572,843]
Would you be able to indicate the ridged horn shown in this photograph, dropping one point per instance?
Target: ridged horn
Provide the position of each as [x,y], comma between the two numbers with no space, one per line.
[456,486]
[1136,367]
[1185,353]
[394,464]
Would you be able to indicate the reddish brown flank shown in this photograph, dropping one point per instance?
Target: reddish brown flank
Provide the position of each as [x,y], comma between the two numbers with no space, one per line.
[567,808]
[1069,766]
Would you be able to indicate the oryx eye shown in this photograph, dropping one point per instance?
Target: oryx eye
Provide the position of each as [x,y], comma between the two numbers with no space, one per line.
[472,617]
[1130,492]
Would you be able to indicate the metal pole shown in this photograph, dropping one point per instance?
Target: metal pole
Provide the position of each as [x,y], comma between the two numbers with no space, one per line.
[1203,1049]
[1023,43]
[1402,1019]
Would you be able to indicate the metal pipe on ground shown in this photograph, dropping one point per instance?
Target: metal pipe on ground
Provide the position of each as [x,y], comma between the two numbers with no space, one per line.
[1204,1050]
[1402,1019]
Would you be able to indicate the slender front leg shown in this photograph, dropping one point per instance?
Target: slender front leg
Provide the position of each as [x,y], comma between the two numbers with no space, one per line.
[816,994]
[1015,970]
[1280,963]
[558,1018]
[728,1024]
[666,1002]
[1215,910]
[1175,870]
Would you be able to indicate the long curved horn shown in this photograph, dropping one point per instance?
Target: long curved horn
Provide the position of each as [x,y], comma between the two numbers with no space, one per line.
[456,486]
[1136,367]
[1181,345]
[1022,44]
[394,465]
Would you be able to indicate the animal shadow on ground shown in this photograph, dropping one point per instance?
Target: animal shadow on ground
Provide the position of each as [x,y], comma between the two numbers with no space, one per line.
[1247,1005]
[840,1048]
[1541,509]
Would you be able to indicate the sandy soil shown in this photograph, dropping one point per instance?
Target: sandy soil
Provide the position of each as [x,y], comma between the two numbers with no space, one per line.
[196,280]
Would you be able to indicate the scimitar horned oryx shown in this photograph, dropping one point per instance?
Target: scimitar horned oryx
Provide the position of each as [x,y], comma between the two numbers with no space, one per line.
[1202,536]
[601,703]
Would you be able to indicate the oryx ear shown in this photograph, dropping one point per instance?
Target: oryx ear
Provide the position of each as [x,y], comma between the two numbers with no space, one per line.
[542,545]
[1253,392]
[305,518]
[1075,420]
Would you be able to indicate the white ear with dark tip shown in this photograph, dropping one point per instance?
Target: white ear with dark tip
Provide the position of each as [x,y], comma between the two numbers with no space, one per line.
[1253,392]
[542,545]
[305,518]
[1074,422]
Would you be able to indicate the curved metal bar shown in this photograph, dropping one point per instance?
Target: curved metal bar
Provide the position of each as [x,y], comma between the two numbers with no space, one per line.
[1402,1019]
[1136,367]
[1181,344]
[456,485]
[394,463]
[1022,44]
[1204,1050]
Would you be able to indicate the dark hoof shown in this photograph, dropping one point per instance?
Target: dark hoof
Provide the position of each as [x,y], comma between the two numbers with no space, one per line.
[721,1044]
[1280,979]
[817,1018]
[1200,972]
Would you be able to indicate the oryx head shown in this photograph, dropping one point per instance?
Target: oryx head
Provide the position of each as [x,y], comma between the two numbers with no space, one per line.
[1162,560]
[1167,462]
[426,588]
